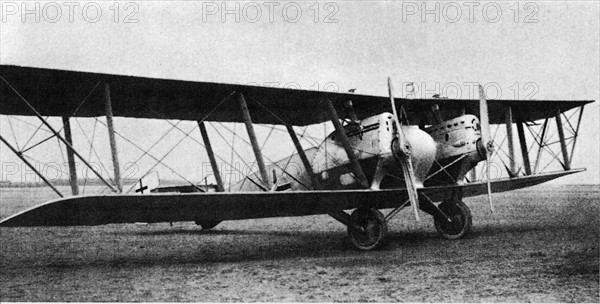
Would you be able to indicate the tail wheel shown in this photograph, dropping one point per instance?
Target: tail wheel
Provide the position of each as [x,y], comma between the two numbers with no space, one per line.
[460,220]
[208,224]
[373,228]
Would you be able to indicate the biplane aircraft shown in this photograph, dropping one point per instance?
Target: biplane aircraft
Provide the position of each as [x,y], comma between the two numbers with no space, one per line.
[385,153]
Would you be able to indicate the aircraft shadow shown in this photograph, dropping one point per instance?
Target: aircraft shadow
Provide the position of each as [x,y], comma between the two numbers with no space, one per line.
[266,246]
[334,247]
[215,232]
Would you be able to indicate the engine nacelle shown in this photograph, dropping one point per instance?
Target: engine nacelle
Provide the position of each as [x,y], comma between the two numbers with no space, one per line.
[423,149]
[372,140]
[459,148]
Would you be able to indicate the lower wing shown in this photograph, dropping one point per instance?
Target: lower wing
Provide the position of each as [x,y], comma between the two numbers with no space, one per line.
[99,210]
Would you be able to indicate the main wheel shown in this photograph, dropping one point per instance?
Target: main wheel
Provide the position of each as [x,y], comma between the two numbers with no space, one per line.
[208,224]
[373,228]
[460,220]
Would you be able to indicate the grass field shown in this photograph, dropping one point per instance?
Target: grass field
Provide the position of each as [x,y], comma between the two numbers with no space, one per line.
[542,245]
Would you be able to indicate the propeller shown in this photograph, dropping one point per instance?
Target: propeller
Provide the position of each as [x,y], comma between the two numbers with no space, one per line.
[486,140]
[405,157]
[274,187]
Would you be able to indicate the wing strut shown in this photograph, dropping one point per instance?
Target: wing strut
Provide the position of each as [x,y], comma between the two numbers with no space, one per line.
[70,156]
[576,133]
[523,144]
[563,143]
[32,167]
[358,171]
[541,145]
[254,141]
[53,131]
[211,156]
[314,179]
[111,137]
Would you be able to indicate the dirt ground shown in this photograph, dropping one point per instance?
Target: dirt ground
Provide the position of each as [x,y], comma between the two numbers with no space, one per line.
[541,245]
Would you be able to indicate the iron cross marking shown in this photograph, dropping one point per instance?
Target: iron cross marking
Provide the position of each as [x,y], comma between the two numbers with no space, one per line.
[142,188]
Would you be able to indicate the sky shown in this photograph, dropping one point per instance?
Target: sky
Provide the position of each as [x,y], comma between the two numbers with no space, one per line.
[518,50]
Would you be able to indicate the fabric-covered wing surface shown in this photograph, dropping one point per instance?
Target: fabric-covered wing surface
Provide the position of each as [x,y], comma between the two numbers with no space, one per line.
[61,93]
[98,210]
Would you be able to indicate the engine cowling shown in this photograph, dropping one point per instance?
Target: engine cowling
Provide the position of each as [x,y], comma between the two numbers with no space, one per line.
[423,149]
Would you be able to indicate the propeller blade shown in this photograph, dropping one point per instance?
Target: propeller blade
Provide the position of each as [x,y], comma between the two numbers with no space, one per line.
[484,122]
[274,187]
[489,186]
[405,158]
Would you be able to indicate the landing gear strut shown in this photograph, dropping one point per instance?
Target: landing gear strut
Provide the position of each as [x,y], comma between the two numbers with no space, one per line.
[460,220]
[370,228]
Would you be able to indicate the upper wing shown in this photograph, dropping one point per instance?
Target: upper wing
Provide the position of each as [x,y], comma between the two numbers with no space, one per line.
[98,210]
[81,94]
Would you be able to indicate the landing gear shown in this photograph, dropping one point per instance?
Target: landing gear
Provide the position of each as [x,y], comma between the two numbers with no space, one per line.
[460,220]
[371,229]
[208,224]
